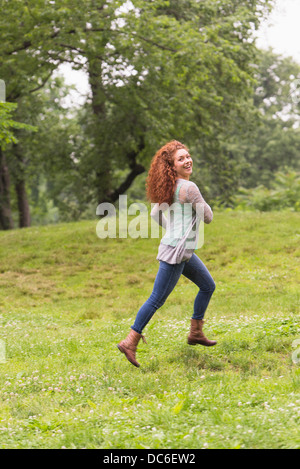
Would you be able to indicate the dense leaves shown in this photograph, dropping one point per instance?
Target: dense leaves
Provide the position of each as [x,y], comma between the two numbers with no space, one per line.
[8,124]
[275,143]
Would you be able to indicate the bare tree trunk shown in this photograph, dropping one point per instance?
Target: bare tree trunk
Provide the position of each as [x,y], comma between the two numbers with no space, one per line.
[135,170]
[20,186]
[6,221]
[102,172]
[23,206]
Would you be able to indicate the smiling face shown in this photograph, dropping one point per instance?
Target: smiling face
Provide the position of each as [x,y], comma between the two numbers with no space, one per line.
[183,164]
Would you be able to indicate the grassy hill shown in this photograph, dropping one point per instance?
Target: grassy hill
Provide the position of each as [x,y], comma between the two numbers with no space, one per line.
[67,298]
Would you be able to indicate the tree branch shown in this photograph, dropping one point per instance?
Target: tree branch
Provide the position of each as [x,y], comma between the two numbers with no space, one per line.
[66,46]
[135,168]
[135,171]
[27,44]
[42,84]
[160,46]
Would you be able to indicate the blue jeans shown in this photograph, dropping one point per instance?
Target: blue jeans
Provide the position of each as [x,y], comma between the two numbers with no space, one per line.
[166,279]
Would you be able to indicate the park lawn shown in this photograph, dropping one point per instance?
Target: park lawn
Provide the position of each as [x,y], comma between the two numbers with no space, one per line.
[67,298]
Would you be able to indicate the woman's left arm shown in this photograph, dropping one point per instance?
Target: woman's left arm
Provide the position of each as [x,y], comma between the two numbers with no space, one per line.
[195,197]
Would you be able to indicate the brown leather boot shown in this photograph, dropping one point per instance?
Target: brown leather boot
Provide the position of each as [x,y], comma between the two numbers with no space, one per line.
[129,345]
[196,335]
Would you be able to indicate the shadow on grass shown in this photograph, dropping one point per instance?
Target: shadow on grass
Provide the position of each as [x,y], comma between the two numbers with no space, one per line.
[269,355]
[196,357]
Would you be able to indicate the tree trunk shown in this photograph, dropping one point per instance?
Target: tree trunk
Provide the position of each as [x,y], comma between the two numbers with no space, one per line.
[102,171]
[6,221]
[23,206]
[19,178]
[135,170]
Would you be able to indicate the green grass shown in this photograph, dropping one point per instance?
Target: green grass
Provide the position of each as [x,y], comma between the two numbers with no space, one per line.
[67,298]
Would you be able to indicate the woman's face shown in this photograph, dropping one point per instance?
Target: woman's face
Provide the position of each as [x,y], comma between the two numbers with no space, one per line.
[183,164]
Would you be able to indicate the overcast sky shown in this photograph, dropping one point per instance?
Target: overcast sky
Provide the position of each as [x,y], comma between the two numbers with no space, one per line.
[281,32]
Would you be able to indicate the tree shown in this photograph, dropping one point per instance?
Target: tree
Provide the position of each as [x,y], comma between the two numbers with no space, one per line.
[7,136]
[24,72]
[45,161]
[274,144]
[157,70]
[161,70]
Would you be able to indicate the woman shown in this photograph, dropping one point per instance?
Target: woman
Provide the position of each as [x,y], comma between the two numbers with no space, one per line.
[168,183]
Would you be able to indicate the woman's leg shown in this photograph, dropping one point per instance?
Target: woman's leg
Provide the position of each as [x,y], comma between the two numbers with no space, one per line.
[166,279]
[196,271]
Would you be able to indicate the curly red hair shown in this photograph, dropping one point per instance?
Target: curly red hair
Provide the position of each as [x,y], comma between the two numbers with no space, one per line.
[162,176]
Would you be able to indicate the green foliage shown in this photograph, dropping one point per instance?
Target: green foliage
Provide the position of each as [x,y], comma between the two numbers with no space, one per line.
[7,124]
[274,143]
[284,193]
[48,163]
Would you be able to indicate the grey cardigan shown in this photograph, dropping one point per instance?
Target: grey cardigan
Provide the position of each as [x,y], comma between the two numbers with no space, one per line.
[185,192]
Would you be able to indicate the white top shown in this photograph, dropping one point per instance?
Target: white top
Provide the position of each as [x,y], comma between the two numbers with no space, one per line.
[186,192]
